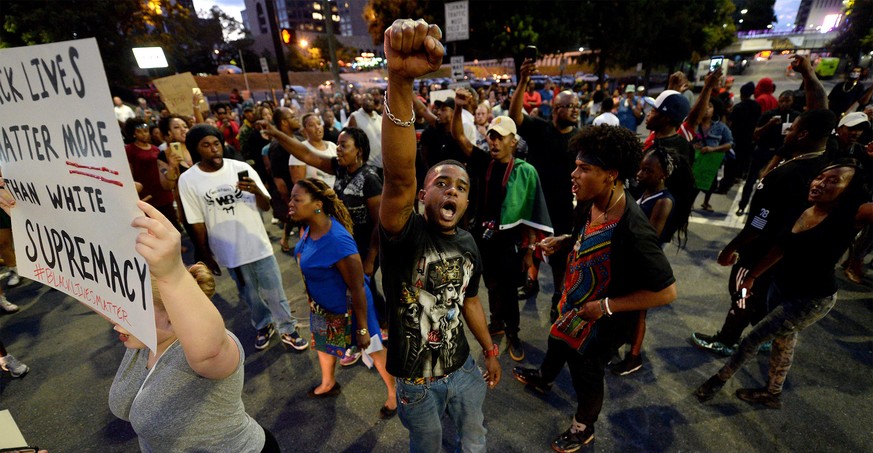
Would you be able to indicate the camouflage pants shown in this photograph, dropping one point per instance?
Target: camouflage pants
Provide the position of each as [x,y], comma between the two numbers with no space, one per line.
[781,325]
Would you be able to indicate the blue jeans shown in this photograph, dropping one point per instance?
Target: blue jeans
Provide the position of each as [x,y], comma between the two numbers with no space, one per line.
[461,394]
[261,289]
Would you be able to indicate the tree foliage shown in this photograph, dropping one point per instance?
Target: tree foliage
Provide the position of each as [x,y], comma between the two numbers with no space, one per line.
[118,26]
[758,16]
[856,32]
[622,32]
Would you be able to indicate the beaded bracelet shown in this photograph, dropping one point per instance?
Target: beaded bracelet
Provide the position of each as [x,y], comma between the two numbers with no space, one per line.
[396,120]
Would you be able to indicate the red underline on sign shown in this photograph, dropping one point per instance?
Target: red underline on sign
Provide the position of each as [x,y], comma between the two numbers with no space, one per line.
[88,167]
[107,180]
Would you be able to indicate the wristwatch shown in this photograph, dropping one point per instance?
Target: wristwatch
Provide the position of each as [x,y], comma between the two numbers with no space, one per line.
[493,352]
[362,331]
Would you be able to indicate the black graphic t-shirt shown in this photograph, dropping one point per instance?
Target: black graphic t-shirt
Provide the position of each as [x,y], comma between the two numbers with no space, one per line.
[427,276]
[355,189]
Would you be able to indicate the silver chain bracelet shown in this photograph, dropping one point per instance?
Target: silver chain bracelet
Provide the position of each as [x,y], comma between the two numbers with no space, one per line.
[394,119]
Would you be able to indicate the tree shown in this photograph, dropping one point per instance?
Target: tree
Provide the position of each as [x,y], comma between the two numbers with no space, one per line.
[621,32]
[380,14]
[855,33]
[343,53]
[759,14]
[118,26]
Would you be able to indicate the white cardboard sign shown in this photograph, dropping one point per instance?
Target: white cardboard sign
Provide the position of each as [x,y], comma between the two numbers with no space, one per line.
[63,160]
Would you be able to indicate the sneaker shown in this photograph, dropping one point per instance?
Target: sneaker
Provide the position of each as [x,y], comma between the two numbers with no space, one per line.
[709,388]
[274,221]
[516,348]
[531,378]
[530,289]
[630,364]
[761,396]
[13,366]
[294,340]
[14,279]
[766,347]
[7,306]
[708,342]
[263,338]
[496,328]
[570,442]
[351,357]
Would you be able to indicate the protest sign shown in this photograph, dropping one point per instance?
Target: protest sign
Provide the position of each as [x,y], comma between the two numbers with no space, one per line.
[177,92]
[64,162]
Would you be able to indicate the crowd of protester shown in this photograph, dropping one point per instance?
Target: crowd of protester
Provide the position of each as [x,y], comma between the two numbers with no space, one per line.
[484,185]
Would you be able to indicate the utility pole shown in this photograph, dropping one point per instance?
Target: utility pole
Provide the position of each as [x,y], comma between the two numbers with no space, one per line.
[328,25]
[278,47]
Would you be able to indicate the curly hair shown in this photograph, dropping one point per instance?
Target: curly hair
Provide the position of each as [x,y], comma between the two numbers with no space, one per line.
[333,206]
[202,275]
[362,142]
[164,123]
[610,148]
[131,124]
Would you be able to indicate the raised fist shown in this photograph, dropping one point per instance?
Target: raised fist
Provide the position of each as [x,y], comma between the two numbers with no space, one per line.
[413,48]
[462,97]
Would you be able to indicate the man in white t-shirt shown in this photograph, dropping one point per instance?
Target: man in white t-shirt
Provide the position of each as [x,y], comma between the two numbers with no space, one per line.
[366,119]
[222,200]
[123,112]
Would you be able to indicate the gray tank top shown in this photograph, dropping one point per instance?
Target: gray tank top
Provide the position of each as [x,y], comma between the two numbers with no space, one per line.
[180,411]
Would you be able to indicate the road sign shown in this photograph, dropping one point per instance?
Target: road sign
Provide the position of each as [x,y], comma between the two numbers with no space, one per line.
[457,21]
[264,67]
[457,67]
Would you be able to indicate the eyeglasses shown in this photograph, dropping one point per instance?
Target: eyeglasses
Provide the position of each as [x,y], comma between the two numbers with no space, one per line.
[568,106]
[221,112]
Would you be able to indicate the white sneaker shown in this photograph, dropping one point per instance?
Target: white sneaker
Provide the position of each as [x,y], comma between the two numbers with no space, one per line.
[274,221]
[14,279]
[7,306]
[13,366]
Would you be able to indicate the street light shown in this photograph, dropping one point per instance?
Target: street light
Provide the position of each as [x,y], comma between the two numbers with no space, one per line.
[744,11]
[303,43]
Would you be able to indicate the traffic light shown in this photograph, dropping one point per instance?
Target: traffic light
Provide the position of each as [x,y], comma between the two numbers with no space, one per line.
[287,36]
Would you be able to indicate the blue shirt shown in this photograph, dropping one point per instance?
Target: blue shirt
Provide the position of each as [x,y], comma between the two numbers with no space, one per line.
[625,114]
[547,96]
[324,282]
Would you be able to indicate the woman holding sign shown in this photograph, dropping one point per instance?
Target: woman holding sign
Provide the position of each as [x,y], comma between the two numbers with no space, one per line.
[195,377]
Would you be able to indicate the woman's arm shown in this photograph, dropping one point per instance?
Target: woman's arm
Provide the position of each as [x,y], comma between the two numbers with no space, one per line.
[660,213]
[297,149]
[198,325]
[169,172]
[352,272]
[373,252]
[864,214]
[771,258]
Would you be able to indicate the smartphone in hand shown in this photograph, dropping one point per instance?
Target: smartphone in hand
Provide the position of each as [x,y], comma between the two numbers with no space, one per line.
[715,62]
[242,175]
[530,53]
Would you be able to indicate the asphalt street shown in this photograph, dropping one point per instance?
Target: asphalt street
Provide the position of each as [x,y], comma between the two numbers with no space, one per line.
[73,354]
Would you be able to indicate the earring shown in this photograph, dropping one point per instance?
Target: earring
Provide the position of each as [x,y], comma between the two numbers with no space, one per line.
[318,211]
